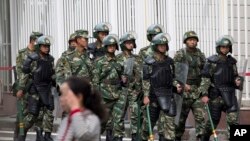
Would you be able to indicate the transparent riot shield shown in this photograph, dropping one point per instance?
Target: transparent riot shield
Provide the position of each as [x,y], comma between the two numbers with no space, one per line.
[181,73]
[241,68]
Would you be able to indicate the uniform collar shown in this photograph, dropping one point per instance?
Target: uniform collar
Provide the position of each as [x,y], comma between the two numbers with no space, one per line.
[109,58]
[127,55]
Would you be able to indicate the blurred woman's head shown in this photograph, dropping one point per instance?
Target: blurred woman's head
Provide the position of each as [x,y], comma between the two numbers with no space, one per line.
[77,92]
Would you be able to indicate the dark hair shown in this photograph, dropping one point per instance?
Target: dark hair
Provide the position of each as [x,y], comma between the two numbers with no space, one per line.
[91,98]
[70,41]
[77,37]
[32,38]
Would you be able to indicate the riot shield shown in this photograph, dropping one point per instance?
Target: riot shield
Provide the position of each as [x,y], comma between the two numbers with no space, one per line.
[56,102]
[241,68]
[181,73]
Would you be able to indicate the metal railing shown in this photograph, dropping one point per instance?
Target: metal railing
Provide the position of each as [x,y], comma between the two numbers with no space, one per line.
[5,68]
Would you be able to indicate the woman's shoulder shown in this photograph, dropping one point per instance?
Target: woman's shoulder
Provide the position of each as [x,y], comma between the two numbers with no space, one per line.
[90,115]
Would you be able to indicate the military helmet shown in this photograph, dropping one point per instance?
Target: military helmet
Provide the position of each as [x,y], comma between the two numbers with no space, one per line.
[129,36]
[160,39]
[43,40]
[225,40]
[101,27]
[82,33]
[35,34]
[190,34]
[152,30]
[111,39]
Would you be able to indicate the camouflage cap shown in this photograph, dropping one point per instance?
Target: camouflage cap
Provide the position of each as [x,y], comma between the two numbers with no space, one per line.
[72,36]
[82,33]
[36,34]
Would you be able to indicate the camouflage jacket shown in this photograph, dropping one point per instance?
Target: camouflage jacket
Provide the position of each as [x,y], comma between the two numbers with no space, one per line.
[22,55]
[195,61]
[134,86]
[107,76]
[76,64]
[60,67]
[143,52]
[209,70]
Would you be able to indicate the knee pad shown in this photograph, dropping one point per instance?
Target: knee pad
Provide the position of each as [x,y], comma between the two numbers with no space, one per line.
[33,106]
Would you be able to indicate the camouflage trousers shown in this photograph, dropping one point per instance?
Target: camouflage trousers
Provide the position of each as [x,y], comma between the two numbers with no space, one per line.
[198,110]
[44,119]
[38,123]
[231,118]
[116,115]
[132,104]
[156,114]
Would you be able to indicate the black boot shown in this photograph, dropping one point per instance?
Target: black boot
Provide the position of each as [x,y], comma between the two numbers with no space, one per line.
[161,138]
[47,136]
[204,138]
[39,134]
[22,137]
[109,136]
[117,139]
[177,138]
[15,138]
[134,137]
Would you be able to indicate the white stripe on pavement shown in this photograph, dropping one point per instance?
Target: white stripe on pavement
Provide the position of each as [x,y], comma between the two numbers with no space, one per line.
[34,133]
[5,139]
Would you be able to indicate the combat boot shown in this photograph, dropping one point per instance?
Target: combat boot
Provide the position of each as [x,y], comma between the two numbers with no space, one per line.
[133,137]
[21,138]
[161,138]
[47,136]
[117,139]
[39,134]
[177,138]
[109,135]
[204,138]
[15,138]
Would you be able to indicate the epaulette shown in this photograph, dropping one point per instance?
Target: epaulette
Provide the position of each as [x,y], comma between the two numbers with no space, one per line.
[22,50]
[144,48]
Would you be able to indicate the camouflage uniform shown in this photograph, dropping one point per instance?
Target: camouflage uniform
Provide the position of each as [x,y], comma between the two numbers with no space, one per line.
[191,100]
[39,102]
[152,30]
[22,55]
[95,49]
[78,64]
[133,87]
[107,78]
[218,83]
[60,64]
[158,80]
